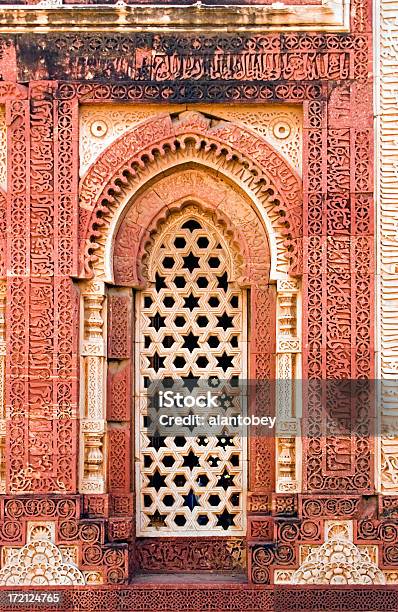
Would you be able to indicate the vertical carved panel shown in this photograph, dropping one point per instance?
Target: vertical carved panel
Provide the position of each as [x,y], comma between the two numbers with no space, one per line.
[66,300]
[3,229]
[42,454]
[388,245]
[3,291]
[17,292]
[46,462]
[67,179]
[262,373]
[338,295]
[51,444]
[66,303]
[119,333]
[119,408]
[119,459]
[119,390]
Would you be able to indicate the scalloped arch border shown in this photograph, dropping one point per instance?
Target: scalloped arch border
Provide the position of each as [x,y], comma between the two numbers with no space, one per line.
[229,210]
[252,158]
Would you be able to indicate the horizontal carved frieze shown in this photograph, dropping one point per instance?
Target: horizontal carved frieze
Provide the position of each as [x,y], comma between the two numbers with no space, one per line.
[163,59]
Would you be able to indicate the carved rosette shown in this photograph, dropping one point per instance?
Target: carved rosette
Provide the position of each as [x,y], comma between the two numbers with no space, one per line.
[93,377]
[288,411]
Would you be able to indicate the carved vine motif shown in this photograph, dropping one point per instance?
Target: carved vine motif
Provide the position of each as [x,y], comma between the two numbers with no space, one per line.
[191,555]
[62,515]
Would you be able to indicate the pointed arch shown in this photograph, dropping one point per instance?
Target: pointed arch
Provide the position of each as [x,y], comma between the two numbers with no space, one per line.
[166,141]
[134,187]
[228,207]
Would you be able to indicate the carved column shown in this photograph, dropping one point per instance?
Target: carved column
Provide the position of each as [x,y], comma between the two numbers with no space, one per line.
[93,377]
[287,405]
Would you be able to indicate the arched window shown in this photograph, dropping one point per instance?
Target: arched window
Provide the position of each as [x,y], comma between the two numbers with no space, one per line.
[191,329]
[191,282]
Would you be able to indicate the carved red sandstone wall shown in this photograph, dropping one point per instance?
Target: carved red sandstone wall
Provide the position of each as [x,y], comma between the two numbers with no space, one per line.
[328,75]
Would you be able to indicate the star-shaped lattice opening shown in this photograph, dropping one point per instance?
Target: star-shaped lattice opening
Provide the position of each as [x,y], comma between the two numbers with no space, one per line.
[159,282]
[191,460]
[191,500]
[191,302]
[225,361]
[156,362]
[157,519]
[222,282]
[225,519]
[225,480]
[191,342]
[156,441]
[157,321]
[157,481]
[225,321]
[191,262]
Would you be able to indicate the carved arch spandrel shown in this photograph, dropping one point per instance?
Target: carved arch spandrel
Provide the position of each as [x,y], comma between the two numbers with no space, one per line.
[163,142]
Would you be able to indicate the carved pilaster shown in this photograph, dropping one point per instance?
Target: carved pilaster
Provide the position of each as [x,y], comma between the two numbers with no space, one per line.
[288,349]
[93,377]
[286,466]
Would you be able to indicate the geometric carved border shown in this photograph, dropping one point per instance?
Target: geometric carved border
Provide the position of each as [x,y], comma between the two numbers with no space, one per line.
[230,597]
